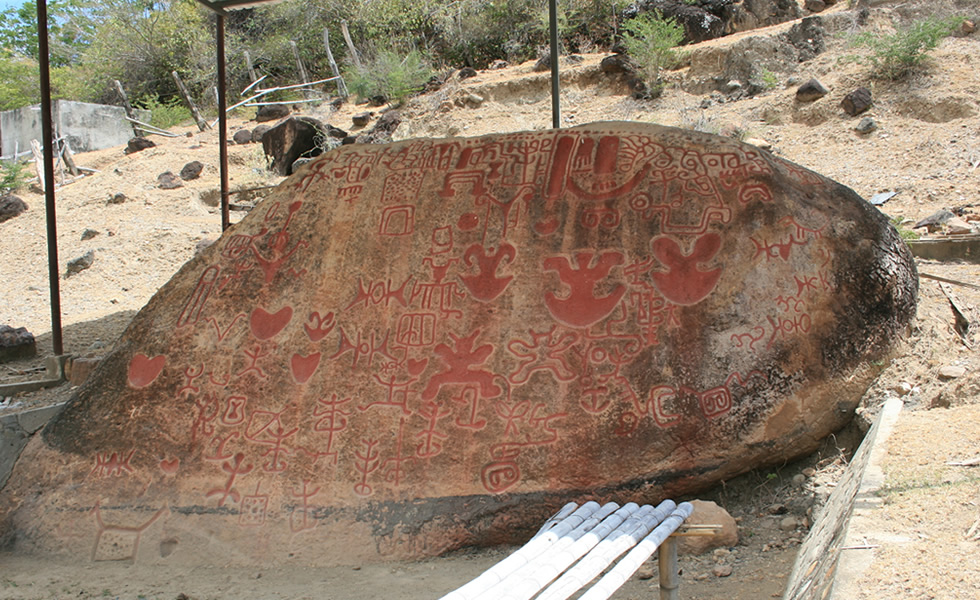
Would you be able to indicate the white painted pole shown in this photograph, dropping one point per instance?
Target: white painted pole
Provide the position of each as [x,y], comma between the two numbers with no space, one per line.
[629,564]
[535,546]
[516,579]
[608,550]
[556,518]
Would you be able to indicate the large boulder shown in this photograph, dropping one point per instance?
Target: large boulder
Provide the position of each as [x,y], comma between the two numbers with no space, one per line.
[293,138]
[413,347]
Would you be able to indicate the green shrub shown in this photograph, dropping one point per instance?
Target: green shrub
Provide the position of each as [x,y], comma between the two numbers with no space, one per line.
[651,40]
[13,176]
[167,113]
[898,55]
[389,74]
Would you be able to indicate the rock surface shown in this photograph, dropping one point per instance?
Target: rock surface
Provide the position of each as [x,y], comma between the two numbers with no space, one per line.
[291,139]
[409,348]
[10,207]
[16,343]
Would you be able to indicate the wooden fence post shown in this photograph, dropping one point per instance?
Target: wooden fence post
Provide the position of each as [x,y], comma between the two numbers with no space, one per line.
[350,44]
[251,69]
[341,86]
[201,123]
[129,110]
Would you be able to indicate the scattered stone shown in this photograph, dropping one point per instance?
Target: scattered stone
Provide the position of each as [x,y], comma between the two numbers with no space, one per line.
[191,170]
[721,570]
[293,138]
[866,125]
[543,64]
[958,226]
[78,369]
[618,63]
[789,523]
[902,389]
[117,198]
[936,220]
[733,86]
[472,100]
[701,577]
[815,5]
[758,143]
[967,27]
[272,112]
[299,162]
[466,73]
[499,64]
[799,480]
[79,264]
[89,234]
[574,59]
[777,509]
[379,100]
[809,472]
[168,181]
[16,344]
[242,136]
[10,207]
[708,513]
[259,131]
[383,129]
[646,571]
[810,91]
[952,372]
[361,119]
[336,132]
[857,101]
[720,554]
[138,144]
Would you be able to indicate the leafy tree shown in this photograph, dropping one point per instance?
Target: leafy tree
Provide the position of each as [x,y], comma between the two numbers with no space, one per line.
[652,40]
[69,30]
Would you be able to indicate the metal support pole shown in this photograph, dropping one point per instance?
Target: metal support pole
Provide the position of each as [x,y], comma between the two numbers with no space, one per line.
[222,123]
[47,132]
[667,564]
[555,98]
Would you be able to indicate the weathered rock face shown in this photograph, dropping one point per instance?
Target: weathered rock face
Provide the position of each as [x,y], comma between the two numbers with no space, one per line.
[411,347]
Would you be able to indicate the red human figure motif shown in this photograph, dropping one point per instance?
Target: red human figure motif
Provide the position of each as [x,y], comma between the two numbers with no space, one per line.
[305,522]
[269,425]
[398,392]
[582,308]
[545,352]
[684,283]
[368,462]
[469,397]
[190,374]
[459,362]
[234,469]
[485,285]
[429,446]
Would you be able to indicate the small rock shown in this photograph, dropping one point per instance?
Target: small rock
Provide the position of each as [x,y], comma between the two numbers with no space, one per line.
[499,64]
[646,571]
[191,170]
[721,554]
[721,570]
[708,513]
[10,207]
[242,136]
[618,63]
[89,234]
[809,472]
[80,264]
[810,91]
[335,132]
[967,27]
[473,100]
[815,5]
[957,226]
[866,125]
[789,523]
[936,220]
[117,198]
[168,181]
[361,119]
[467,72]
[259,131]
[857,101]
[799,479]
[902,389]
[700,577]
[272,112]
[138,144]
[733,86]
[758,143]
[543,64]
[16,343]
[777,509]
[951,372]
[379,100]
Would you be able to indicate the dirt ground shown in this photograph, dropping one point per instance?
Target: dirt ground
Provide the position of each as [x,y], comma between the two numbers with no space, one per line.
[926,148]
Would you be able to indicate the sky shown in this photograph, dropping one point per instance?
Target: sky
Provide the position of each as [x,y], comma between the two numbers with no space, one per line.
[8,4]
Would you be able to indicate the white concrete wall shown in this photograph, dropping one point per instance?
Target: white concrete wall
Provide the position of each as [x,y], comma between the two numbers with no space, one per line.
[87,126]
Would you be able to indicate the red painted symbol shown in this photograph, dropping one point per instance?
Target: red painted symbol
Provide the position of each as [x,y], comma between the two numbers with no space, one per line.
[304,366]
[546,227]
[318,327]
[468,222]
[684,283]
[459,362]
[500,475]
[144,370]
[581,308]
[170,467]
[110,465]
[486,286]
[267,325]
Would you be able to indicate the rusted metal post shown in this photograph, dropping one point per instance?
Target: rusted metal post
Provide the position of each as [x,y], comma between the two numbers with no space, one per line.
[222,122]
[667,564]
[47,132]
[555,93]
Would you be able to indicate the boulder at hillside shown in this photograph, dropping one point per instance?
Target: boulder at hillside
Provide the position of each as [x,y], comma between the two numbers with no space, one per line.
[11,206]
[16,343]
[409,348]
[293,138]
[271,112]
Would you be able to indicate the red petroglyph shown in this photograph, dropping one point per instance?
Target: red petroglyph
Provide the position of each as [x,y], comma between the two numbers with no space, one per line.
[684,283]
[116,542]
[398,392]
[546,227]
[220,453]
[217,328]
[786,327]
[332,419]
[278,243]
[234,469]
[374,293]
[430,446]
[393,467]
[112,464]
[266,325]
[500,475]
[402,187]
[756,335]
[459,363]
[545,352]
[416,330]
[303,367]
[486,286]
[208,408]
[468,222]
[252,511]
[511,413]
[442,240]
[368,462]
[416,366]
[190,374]
[318,327]
[581,308]
[170,467]
[254,355]
[144,370]
[754,192]
[192,310]
[594,218]
[397,221]
[269,426]
[369,346]
[305,523]
[470,398]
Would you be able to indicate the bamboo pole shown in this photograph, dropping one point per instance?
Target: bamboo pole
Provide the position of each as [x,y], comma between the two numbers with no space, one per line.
[201,123]
[669,571]
[252,85]
[152,129]
[129,109]
[341,86]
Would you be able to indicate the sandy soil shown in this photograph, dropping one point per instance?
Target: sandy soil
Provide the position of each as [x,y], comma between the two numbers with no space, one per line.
[926,148]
